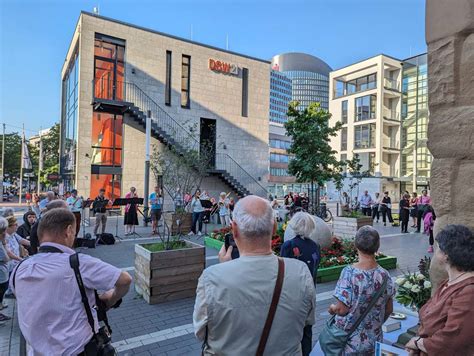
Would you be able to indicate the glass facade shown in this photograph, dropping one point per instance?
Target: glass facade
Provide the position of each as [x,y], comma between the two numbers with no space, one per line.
[366,82]
[364,136]
[275,143]
[106,139]
[279,157]
[69,122]
[309,87]
[280,96]
[416,158]
[365,107]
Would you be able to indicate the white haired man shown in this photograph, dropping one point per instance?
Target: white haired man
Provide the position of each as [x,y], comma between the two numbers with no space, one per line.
[234,298]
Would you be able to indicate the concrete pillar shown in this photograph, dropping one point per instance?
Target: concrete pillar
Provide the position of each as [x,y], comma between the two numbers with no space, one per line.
[450,39]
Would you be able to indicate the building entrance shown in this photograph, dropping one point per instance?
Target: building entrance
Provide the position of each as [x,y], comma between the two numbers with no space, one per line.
[207,140]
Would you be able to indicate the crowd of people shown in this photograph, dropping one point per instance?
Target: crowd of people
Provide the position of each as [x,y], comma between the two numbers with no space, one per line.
[275,295]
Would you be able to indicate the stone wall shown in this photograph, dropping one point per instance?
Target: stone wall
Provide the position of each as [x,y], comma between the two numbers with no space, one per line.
[347,228]
[450,39]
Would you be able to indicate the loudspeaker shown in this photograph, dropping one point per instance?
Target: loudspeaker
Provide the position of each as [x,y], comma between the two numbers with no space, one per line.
[106,239]
[87,242]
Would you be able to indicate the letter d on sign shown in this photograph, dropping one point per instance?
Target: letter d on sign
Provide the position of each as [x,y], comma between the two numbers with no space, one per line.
[212,64]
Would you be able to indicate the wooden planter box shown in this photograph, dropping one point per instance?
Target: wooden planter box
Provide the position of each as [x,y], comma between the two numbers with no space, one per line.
[332,273]
[168,275]
[186,222]
[213,243]
[346,228]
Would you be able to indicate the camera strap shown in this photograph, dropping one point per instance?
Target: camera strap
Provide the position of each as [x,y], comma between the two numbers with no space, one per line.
[74,263]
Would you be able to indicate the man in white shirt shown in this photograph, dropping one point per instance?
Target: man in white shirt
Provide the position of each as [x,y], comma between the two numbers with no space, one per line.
[51,314]
[75,205]
[233,298]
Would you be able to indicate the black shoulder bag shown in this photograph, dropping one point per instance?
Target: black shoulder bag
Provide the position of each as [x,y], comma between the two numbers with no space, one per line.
[101,342]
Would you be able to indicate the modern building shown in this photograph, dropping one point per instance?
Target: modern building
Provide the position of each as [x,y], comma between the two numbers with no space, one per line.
[307,77]
[280,96]
[366,97]
[415,158]
[383,105]
[115,74]
[35,139]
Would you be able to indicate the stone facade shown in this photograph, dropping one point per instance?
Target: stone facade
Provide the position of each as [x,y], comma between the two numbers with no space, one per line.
[347,228]
[213,95]
[450,38]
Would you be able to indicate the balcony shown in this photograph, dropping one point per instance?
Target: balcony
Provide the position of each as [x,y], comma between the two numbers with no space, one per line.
[391,84]
[392,115]
[391,145]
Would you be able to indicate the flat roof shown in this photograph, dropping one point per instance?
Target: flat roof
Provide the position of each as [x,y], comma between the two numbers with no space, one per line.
[174,37]
[366,59]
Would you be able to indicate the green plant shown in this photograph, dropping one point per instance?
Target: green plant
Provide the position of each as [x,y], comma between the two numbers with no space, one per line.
[353,214]
[163,246]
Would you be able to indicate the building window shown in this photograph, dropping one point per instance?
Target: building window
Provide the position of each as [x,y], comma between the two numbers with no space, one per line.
[279,158]
[185,81]
[106,139]
[372,163]
[365,107]
[274,143]
[168,79]
[344,139]
[245,92]
[279,172]
[110,182]
[344,112]
[356,85]
[364,136]
[343,160]
[109,67]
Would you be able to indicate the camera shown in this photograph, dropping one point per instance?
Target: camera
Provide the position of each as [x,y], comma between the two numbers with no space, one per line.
[229,241]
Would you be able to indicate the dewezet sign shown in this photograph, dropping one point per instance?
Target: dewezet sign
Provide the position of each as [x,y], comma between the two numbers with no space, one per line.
[223,67]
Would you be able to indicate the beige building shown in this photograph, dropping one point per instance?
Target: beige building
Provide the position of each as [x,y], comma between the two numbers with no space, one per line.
[116,73]
[366,97]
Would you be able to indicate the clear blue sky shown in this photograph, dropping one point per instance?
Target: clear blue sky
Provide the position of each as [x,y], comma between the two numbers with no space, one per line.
[35,36]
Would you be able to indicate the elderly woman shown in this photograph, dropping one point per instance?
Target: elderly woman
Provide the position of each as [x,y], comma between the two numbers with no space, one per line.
[306,250]
[3,266]
[357,285]
[446,319]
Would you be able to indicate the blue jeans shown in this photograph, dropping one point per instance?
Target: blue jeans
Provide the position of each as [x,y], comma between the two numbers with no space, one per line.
[197,217]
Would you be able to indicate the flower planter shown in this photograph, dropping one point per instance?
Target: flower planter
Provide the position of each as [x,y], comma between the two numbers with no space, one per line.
[213,243]
[346,227]
[170,274]
[332,273]
[186,220]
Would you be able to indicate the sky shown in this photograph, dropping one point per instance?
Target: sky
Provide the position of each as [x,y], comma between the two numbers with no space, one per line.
[35,35]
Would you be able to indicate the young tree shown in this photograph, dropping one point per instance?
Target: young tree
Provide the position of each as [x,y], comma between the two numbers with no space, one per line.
[12,155]
[313,159]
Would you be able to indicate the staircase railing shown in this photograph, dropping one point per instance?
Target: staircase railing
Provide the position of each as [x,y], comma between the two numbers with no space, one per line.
[104,88]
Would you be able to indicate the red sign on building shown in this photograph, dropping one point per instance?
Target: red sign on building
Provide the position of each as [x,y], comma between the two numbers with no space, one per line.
[223,67]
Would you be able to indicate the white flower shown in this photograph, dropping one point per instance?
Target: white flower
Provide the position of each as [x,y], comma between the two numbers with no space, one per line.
[420,277]
[427,284]
[408,285]
[415,289]
[400,281]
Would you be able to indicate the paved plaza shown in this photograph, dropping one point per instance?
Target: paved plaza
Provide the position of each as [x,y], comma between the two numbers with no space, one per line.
[166,329]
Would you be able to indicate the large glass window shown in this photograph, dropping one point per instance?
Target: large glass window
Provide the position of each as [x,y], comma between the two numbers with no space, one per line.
[245,92]
[344,139]
[344,111]
[110,182]
[278,157]
[355,85]
[364,136]
[365,107]
[106,139]
[274,143]
[109,67]
[279,172]
[69,120]
[185,81]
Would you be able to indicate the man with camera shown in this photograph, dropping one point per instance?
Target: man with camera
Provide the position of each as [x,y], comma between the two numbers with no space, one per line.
[257,303]
[56,292]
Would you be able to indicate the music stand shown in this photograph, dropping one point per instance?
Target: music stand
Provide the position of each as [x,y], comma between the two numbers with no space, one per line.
[126,201]
[206,204]
[99,204]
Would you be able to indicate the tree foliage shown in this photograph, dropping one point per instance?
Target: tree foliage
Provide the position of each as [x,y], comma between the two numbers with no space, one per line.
[12,155]
[313,158]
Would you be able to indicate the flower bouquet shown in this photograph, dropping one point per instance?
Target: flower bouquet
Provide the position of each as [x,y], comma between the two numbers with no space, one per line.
[414,289]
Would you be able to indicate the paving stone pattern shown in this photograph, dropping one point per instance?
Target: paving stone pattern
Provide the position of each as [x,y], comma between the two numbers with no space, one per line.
[166,329]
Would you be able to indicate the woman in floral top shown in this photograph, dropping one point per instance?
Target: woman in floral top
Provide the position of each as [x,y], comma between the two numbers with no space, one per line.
[354,290]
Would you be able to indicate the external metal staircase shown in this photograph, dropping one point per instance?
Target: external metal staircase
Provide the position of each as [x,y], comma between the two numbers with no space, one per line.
[128,98]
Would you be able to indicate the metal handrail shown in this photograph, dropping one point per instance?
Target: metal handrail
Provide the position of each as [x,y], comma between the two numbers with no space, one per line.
[130,92]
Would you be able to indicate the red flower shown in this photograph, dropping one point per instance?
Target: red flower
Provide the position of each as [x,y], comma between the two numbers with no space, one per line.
[296,252]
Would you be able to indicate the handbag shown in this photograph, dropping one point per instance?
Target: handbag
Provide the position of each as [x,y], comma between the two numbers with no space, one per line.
[333,340]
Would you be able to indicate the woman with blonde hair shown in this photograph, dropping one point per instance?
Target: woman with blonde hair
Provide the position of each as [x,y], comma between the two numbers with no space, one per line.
[224,212]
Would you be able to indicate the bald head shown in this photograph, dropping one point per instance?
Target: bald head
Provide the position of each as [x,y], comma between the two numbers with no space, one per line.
[50,195]
[254,218]
[56,204]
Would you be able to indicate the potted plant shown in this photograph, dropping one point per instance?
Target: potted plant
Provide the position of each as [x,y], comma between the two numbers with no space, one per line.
[168,270]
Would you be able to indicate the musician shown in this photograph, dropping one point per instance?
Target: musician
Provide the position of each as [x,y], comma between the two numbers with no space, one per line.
[131,216]
[156,201]
[74,204]
[100,211]
[224,212]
